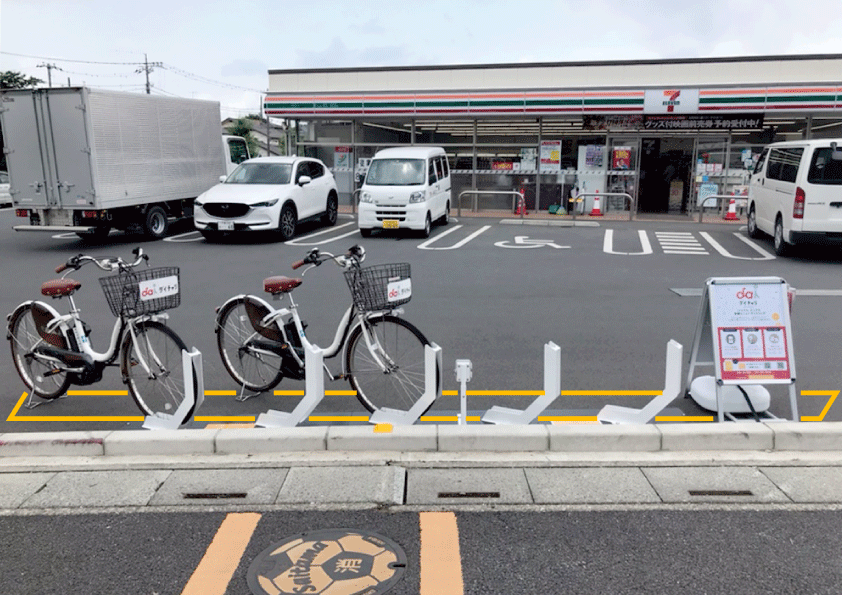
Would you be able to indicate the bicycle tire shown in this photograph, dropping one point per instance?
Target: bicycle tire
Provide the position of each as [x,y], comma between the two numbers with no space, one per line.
[23,336]
[160,347]
[399,388]
[255,371]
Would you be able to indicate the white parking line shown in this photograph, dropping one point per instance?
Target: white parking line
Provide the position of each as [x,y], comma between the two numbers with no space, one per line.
[608,244]
[718,247]
[426,245]
[178,238]
[303,241]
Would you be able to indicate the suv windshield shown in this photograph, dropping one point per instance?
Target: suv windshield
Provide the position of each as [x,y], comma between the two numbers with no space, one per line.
[396,172]
[824,169]
[261,173]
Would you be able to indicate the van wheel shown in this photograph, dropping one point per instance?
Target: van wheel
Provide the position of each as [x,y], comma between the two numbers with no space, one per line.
[428,227]
[753,232]
[156,223]
[445,219]
[781,247]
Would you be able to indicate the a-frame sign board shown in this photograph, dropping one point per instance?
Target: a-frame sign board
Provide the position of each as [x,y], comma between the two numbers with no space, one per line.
[744,331]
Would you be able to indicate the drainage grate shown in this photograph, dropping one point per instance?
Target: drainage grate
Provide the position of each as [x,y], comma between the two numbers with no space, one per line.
[469,494]
[214,495]
[720,493]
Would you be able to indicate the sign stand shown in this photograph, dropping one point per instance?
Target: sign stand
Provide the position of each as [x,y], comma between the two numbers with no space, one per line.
[744,331]
[552,389]
[193,395]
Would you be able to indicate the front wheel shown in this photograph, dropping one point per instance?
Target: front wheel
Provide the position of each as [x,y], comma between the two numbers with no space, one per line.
[153,368]
[43,379]
[255,368]
[398,345]
[287,222]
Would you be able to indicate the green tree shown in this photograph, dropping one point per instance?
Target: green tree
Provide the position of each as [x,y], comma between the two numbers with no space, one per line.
[10,79]
[242,127]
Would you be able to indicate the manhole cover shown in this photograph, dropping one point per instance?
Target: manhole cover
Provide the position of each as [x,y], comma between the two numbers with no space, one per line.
[328,562]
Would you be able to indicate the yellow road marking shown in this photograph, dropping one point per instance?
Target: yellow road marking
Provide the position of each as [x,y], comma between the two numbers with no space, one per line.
[819,393]
[684,418]
[289,393]
[97,393]
[220,393]
[233,418]
[338,418]
[335,393]
[382,428]
[222,557]
[440,560]
[224,426]
[449,418]
[569,418]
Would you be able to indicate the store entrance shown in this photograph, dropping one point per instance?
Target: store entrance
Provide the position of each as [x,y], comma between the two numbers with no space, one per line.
[665,170]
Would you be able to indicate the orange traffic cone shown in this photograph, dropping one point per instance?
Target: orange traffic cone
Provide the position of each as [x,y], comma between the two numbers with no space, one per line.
[731,215]
[521,203]
[596,212]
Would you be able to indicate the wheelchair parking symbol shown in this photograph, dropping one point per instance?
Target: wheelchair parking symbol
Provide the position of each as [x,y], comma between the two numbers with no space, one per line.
[525,242]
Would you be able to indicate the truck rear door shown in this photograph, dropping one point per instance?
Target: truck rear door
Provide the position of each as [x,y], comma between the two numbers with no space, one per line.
[69,147]
[24,141]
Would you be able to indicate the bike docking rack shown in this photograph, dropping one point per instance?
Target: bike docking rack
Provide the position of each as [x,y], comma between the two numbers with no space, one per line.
[193,398]
[314,392]
[513,193]
[432,391]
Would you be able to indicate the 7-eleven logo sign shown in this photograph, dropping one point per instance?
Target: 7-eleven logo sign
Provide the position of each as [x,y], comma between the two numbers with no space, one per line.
[671,99]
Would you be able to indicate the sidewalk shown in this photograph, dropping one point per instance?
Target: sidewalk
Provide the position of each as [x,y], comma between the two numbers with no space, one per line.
[661,465]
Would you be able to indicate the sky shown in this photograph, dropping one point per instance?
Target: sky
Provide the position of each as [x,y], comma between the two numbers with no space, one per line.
[223,51]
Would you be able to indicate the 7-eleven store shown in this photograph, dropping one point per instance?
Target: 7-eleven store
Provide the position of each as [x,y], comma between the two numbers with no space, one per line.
[662,131]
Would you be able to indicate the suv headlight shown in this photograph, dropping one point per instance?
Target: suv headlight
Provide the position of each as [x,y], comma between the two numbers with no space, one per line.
[266,203]
[366,197]
[418,196]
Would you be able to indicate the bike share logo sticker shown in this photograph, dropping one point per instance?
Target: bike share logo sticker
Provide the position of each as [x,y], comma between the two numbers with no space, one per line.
[158,288]
[399,289]
[328,562]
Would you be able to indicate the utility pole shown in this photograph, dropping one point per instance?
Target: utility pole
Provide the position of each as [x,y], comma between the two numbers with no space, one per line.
[147,68]
[49,68]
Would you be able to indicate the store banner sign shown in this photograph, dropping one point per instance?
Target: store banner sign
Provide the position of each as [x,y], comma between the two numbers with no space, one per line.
[341,157]
[703,122]
[551,156]
[671,101]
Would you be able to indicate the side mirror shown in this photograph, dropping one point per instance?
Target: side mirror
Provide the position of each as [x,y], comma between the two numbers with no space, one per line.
[304,180]
[222,179]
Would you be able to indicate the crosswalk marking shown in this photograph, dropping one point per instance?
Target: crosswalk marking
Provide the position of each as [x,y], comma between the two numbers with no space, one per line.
[679,242]
[441,561]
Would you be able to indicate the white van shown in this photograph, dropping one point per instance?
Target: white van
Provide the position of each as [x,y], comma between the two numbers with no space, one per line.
[405,188]
[796,193]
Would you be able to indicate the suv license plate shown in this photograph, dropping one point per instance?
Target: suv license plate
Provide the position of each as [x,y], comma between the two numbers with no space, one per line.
[390,224]
[226,226]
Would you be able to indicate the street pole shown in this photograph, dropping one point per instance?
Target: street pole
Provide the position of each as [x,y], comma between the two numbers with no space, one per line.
[49,68]
[147,68]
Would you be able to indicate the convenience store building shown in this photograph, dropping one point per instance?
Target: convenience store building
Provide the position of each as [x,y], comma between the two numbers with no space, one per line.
[663,131]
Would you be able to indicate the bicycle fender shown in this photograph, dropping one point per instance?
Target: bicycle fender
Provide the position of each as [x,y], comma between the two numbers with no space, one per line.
[43,313]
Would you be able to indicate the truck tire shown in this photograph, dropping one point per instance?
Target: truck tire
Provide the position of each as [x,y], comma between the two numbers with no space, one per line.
[156,223]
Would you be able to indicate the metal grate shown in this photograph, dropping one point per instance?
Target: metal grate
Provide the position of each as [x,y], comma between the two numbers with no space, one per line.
[469,494]
[720,492]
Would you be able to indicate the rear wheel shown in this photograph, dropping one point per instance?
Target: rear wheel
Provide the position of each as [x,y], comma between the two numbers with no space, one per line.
[445,219]
[43,379]
[153,367]
[781,247]
[156,223]
[753,231]
[401,349]
[253,368]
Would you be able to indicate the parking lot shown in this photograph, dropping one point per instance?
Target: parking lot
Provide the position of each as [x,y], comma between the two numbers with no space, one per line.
[611,294]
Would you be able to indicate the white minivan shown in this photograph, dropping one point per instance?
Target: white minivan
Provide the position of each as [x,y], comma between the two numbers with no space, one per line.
[405,188]
[796,193]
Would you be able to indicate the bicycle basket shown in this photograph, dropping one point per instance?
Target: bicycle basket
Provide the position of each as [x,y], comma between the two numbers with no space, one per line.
[380,287]
[146,291]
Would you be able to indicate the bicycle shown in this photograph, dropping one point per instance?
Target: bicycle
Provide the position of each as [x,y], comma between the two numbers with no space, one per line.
[52,351]
[383,354]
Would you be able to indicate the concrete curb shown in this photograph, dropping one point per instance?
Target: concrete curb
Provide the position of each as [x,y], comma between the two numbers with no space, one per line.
[683,437]
[550,222]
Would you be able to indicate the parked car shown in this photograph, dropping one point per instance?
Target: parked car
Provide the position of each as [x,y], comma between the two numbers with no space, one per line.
[5,197]
[796,194]
[268,193]
[406,188]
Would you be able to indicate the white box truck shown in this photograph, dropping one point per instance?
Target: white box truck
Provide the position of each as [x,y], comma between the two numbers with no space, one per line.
[87,160]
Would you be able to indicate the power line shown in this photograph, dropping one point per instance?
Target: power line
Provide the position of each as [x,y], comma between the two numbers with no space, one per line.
[69,60]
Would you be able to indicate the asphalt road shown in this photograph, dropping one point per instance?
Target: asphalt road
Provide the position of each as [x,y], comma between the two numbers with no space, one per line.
[575,552]
[487,292]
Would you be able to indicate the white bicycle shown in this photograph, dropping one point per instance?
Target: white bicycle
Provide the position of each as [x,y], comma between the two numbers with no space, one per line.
[51,351]
[383,354]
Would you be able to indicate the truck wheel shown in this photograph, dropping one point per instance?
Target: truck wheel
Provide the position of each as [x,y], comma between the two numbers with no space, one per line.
[156,223]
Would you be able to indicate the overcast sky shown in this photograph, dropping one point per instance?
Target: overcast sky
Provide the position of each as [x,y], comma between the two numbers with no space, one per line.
[222,51]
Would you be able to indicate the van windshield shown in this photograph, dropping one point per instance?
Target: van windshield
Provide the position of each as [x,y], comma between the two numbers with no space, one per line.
[825,169]
[396,172]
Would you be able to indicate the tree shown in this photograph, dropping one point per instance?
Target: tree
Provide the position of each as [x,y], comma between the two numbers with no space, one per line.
[10,79]
[242,127]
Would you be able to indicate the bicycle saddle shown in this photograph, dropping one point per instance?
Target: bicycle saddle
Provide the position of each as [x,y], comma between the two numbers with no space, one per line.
[59,287]
[280,284]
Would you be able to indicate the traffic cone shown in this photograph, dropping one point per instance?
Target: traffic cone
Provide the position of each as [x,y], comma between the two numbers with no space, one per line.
[596,212]
[731,215]
[521,203]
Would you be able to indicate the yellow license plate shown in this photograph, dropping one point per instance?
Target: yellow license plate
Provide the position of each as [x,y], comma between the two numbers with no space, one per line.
[390,224]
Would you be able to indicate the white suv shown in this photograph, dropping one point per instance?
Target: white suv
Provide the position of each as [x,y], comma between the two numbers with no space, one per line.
[796,193]
[268,193]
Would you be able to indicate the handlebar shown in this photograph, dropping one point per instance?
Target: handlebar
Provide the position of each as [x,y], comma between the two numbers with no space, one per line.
[354,256]
[106,264]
